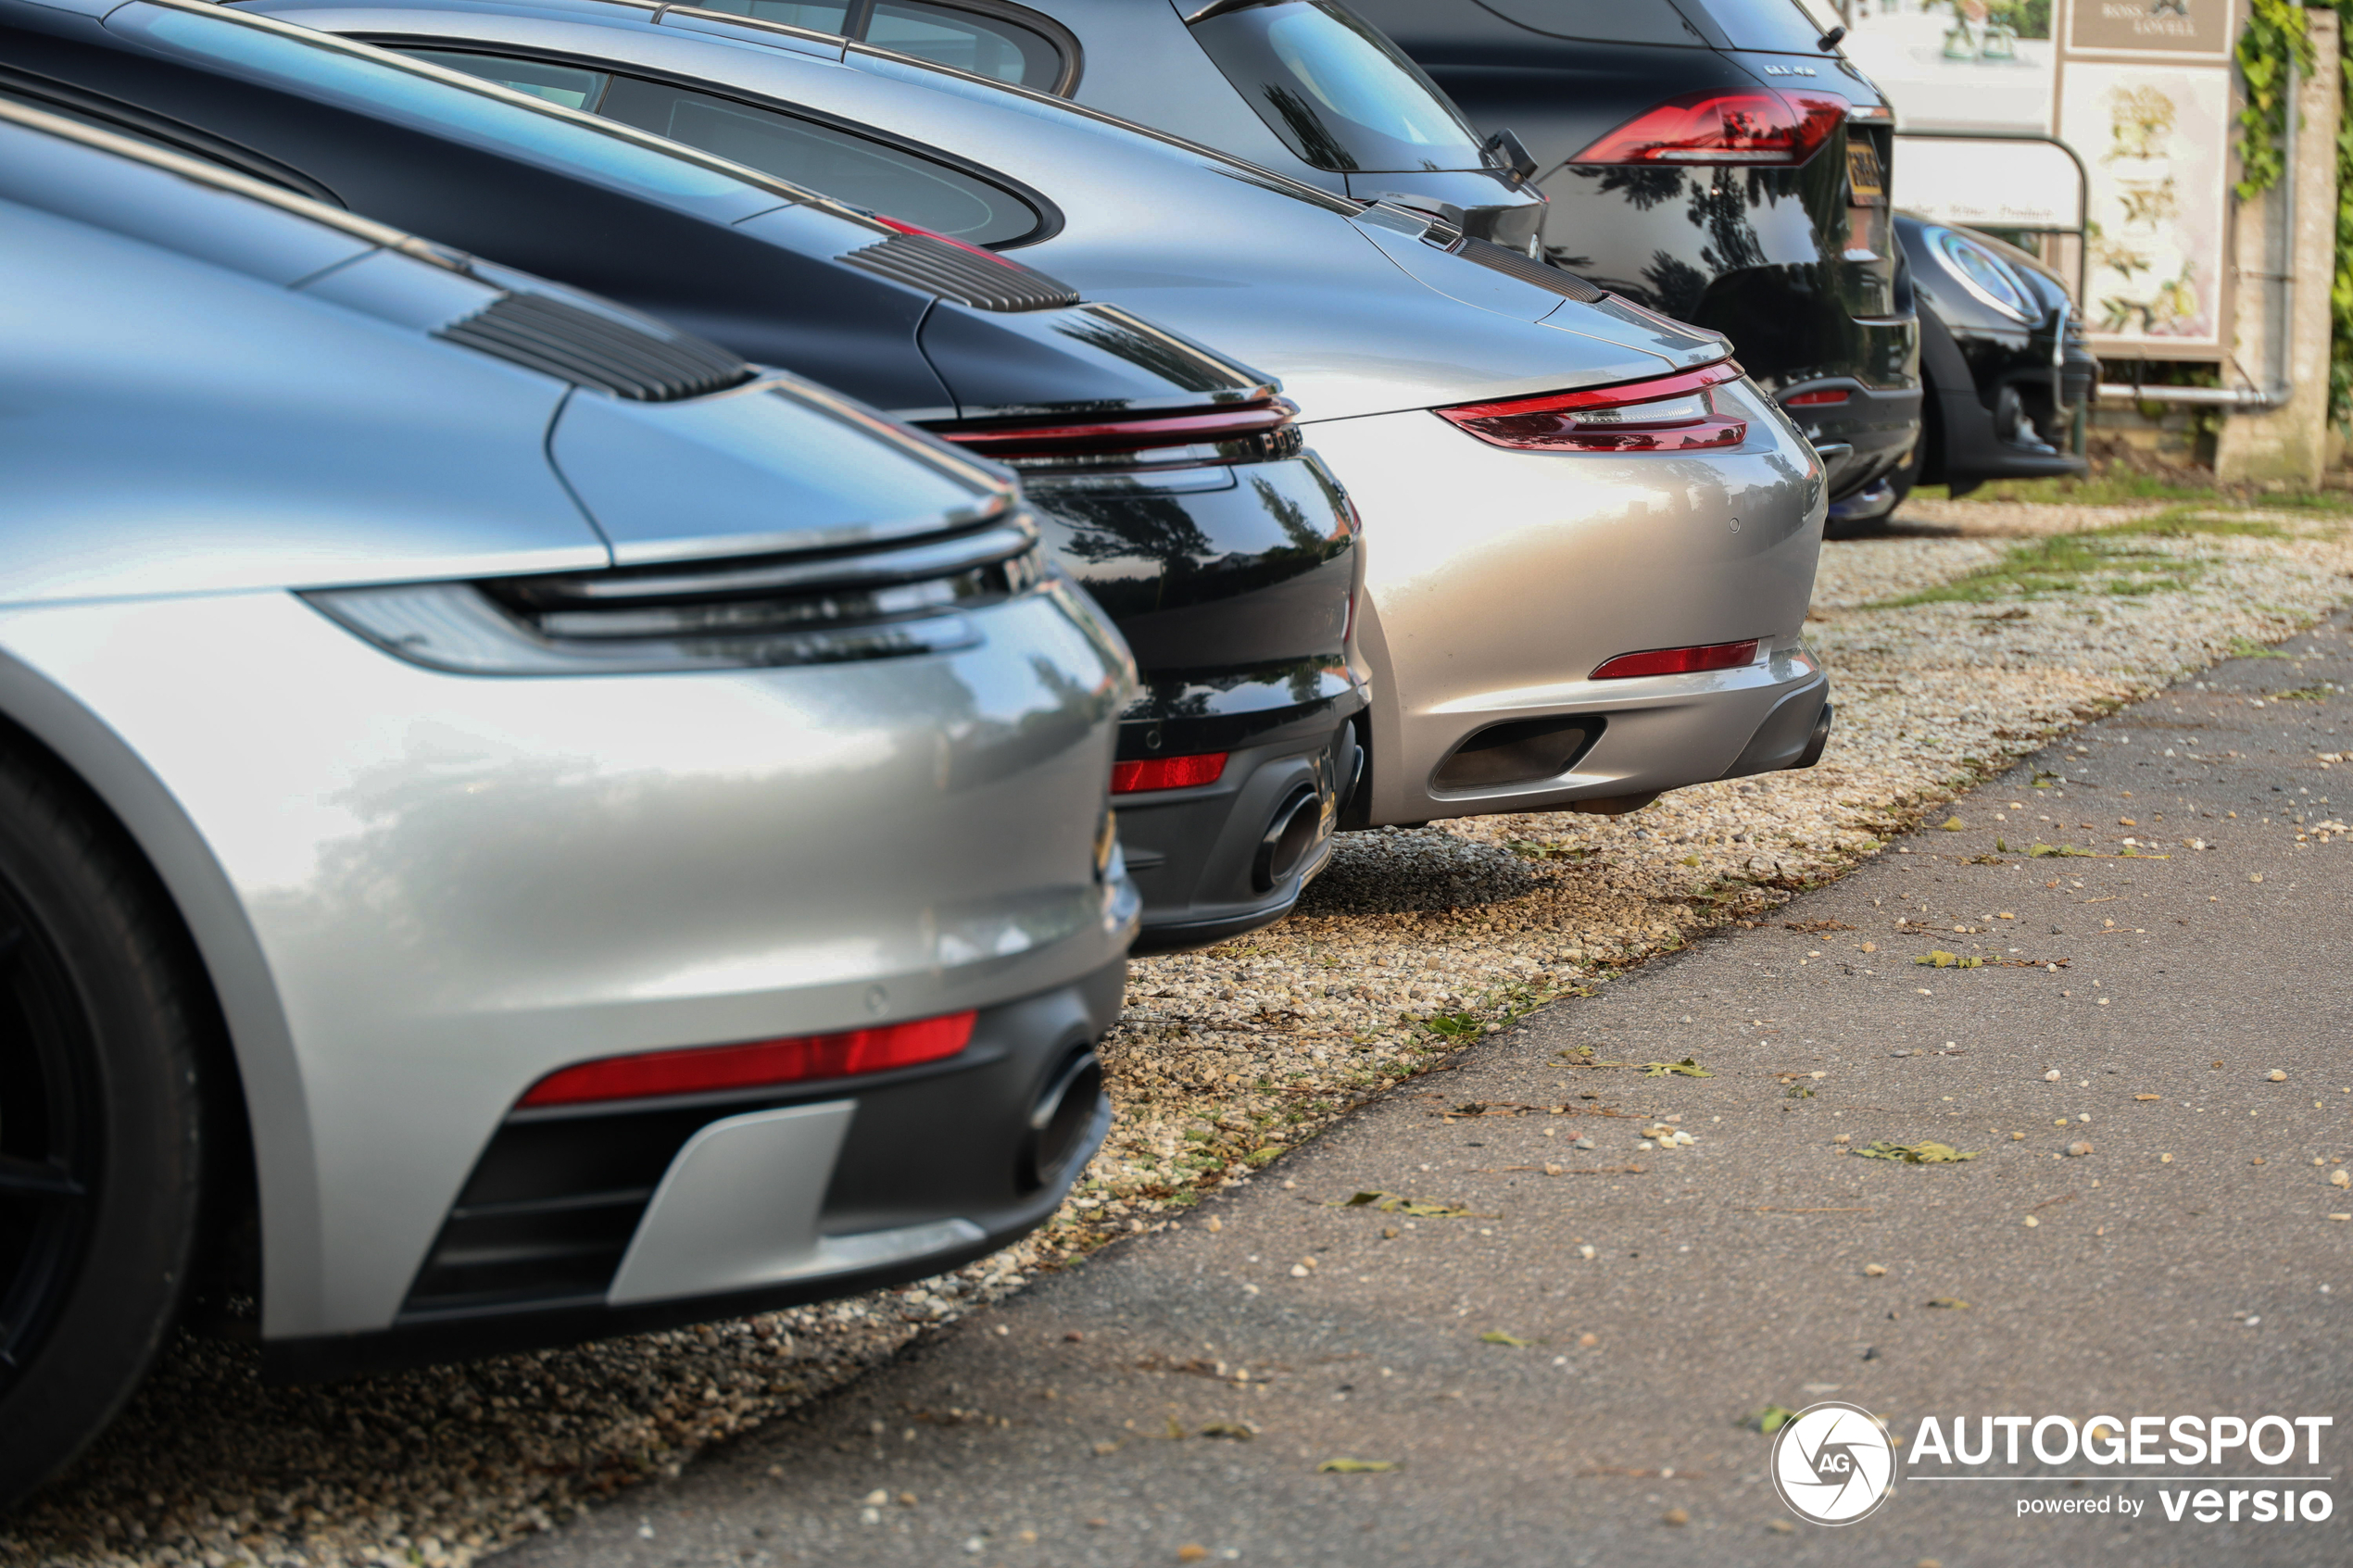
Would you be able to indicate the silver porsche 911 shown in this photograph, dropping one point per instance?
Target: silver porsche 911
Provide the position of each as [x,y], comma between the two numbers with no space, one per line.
[1589,541]
[583,834]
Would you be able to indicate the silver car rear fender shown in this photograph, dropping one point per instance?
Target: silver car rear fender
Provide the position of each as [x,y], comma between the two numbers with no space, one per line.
[455,884]
[1496,581]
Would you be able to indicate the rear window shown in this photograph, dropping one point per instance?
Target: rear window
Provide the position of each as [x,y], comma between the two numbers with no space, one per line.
[1336,89]
[1777,26]
[967,41]
[857,169]
[1610,22]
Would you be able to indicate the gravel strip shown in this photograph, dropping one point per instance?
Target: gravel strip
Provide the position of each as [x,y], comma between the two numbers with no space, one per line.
[1412,942]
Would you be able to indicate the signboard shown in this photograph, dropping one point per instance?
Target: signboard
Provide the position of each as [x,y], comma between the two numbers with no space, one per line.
[2141,89]
[1991,184]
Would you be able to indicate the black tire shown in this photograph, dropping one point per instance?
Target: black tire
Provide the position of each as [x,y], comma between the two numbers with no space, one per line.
[101,1145]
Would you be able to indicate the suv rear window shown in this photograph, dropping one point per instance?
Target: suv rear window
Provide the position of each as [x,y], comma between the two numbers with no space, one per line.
[1779,27]
[1336,89]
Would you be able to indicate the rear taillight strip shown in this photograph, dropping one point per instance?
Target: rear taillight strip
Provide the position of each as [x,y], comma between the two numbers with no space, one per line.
[1138,434]
[1614,397]
[1670,414]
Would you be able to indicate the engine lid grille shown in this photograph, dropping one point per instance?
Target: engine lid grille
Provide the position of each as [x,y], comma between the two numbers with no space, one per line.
[644,364]
[968,276]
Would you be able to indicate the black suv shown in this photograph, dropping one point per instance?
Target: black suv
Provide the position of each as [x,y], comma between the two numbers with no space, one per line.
[1719,161]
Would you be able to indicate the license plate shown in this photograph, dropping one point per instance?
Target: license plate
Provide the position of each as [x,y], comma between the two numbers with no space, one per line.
[1863,176]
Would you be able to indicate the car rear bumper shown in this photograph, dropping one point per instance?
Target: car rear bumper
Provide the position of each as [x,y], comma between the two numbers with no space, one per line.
[582,1223]
[1496,582]
[1219,859]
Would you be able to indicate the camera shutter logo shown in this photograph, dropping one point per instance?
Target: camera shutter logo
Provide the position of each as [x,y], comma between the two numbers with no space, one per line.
[1833,1465]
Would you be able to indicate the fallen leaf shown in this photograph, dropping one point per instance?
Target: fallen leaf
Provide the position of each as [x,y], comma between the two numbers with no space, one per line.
[1191,1552]
[1915,1153]
[1940,958]
[1355,1466]
[1238,1431]
[1952,1302]
[1413,1208]
[1772,1418]
[1951,824]
[1497,1336]
[1687,1067]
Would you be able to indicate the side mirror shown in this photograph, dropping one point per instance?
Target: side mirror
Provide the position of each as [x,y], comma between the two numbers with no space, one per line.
[1504,151]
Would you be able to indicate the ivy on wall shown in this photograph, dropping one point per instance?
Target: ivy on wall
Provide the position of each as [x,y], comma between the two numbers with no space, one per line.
[2273,36]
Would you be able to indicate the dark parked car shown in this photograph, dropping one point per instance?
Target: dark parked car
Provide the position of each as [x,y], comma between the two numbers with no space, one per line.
[1717,162]
[1169,480]
[1304,87]
[2001,355]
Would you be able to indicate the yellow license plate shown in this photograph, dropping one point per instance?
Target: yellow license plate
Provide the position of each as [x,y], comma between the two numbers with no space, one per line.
[1863,175]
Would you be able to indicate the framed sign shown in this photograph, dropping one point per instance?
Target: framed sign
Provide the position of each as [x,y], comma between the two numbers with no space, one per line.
[2142,90]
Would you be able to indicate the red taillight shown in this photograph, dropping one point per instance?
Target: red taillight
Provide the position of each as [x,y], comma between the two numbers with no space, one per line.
[1757,125]
[1167,772]
[1140,432]
[1809,399]
[758,1064]
[1672,414]
[1678,661]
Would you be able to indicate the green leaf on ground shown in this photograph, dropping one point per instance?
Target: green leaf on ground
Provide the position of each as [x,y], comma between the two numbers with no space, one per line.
[1412,1207]
[1687,1067]
[1238,1431]
[1940,958]
[1497,1336]
[1951,1301]
[1772,1418]
[2042,849]
[1355,1466]
[1915,1153]
[1952,824]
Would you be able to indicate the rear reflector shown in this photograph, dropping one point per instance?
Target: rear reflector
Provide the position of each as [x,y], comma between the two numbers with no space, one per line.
[1673,413]
[1808,399]
[1678,661]
[1142,432]
[1753,125]
[1167,772]
[758,1064]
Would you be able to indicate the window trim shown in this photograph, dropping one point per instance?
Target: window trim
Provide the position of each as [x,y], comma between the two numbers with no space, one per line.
[861,12]
[1050,216]
[130,121]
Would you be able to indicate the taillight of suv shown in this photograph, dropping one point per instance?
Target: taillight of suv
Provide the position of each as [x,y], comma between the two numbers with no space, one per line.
[1758,125]
[1677,413]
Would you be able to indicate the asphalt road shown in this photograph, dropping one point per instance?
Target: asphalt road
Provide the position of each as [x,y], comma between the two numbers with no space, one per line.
[2187,1264]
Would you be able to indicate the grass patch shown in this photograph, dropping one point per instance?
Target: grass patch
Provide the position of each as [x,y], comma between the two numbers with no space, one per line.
[2059,564]
[2078,490]
[2180,522]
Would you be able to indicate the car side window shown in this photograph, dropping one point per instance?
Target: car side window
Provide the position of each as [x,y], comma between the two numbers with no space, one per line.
[967,41]
[568,85]
[857,169]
